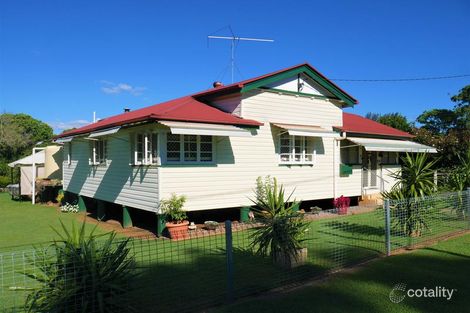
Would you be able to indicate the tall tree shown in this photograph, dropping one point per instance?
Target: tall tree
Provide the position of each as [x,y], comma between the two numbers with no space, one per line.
[18,133]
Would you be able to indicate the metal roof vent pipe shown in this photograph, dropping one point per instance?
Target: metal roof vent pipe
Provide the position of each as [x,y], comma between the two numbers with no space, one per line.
[217,84]
[126,110]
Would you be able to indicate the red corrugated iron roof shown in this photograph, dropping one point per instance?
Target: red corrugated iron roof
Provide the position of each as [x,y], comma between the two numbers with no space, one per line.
[182,109]
[353,123]
[187,108]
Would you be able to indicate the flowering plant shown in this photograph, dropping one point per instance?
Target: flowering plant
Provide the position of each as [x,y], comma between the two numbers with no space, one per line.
[342,204]
[69,208]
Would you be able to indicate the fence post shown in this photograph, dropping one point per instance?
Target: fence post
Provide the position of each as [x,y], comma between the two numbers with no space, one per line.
[229,256]
[387,225]
[468,205]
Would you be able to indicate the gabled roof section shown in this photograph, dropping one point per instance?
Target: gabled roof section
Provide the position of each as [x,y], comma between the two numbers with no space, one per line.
[260,81]
[182,109]
[356,124]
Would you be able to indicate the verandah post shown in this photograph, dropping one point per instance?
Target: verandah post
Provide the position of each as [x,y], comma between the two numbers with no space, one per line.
[387,226]
[229,257]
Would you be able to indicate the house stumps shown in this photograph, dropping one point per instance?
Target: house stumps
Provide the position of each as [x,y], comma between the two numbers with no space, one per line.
[161,221]
[81,204]
[126,217]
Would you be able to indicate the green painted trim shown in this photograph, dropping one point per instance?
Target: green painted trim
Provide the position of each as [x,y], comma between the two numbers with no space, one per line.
[161,221]
[302,69]
[297,93]
[126,217]
[101,210]
[81,204]
[345,169]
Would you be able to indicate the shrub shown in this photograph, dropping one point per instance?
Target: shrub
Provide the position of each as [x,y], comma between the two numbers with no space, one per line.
[82,275]
[414,181]
[282,228]
[173,208]
[4,181]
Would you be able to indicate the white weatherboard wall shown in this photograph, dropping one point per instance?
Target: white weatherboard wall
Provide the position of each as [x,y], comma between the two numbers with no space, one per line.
[118,182]
[239,161]
[389,181]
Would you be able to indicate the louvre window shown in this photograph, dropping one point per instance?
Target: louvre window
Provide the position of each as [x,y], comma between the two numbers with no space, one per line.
[189,148]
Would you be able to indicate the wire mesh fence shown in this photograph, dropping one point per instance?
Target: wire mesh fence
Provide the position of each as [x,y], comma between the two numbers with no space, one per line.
[426,219]
[212,267]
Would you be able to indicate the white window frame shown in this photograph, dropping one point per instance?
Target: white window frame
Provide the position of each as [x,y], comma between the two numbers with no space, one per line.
[150,149]
[182,150]
[304,157]
[96,158]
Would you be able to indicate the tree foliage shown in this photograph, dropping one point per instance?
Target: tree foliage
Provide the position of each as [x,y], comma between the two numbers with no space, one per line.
[447,130]
[395,120]
[18,134]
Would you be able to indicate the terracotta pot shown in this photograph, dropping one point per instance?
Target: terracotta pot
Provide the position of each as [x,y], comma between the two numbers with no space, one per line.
[178,231]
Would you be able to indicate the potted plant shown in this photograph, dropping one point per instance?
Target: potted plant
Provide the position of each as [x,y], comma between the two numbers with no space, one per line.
[342,204]
[282,229]
[177,224]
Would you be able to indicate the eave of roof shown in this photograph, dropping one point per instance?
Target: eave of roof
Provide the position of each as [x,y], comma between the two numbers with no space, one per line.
[181,109]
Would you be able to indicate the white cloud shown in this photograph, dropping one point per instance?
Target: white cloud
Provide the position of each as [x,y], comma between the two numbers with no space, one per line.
[67,125]
[111,88]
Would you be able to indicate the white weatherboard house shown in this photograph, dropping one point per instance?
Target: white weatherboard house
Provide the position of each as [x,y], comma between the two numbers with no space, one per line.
[211,146]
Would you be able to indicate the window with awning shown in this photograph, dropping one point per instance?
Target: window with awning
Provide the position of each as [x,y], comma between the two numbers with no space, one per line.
[205,129]
[308,130]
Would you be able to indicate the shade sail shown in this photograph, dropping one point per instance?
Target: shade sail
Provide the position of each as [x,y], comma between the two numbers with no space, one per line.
[39,158]
[308,130]
[64,140]
[184,128]
[373,144]
[104,132]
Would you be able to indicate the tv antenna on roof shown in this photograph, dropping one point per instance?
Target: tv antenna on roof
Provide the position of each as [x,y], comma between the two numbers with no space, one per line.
[233,40]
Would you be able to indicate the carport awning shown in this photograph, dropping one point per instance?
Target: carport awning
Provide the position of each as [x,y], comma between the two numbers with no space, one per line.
[308,130]
[373,144]
[183,128]
[104,132]
[39,158]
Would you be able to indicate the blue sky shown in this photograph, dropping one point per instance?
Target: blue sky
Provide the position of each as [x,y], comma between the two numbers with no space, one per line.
[62,60]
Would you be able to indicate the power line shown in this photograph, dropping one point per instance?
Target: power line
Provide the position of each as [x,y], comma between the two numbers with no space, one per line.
[401,79]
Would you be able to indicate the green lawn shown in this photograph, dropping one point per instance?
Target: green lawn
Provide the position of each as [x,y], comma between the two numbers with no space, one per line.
[446,264]
[22,223]
[184,275]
